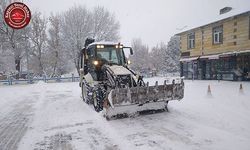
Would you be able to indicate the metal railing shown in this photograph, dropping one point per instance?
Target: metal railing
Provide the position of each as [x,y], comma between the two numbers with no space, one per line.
[12,81]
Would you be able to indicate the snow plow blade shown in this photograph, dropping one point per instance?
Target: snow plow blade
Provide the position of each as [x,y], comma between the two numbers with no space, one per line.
[130,101]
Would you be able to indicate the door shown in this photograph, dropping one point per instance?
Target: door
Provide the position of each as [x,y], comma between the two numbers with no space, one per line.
[203,70]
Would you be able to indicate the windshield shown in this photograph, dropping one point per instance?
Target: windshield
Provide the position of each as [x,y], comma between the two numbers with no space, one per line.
[111,55]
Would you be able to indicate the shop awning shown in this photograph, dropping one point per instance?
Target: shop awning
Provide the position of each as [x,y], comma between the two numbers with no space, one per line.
[210,57]
[227,54]
[189,59]
[244,51]
[215,56]
[234,53]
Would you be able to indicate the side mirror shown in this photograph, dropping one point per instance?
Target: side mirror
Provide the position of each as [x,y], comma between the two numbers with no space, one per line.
[131,51]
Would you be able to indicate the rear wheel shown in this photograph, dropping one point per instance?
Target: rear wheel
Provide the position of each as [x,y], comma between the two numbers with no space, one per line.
[98,98]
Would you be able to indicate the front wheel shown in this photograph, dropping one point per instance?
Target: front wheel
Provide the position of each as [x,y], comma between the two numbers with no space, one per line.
[86,90]
[98,98]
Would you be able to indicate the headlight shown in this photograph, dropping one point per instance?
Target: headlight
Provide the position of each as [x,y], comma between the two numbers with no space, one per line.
[129,62]
[118,46]
[99,46]
[95,62]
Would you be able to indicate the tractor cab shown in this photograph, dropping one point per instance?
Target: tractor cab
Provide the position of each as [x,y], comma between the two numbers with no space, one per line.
[97,54]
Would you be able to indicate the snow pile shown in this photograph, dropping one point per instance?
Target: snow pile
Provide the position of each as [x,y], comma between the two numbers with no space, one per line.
[41,82]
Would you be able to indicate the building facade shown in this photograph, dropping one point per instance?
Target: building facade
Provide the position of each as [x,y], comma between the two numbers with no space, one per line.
[218,50]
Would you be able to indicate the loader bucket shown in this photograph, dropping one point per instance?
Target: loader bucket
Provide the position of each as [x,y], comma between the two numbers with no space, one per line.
[130,100]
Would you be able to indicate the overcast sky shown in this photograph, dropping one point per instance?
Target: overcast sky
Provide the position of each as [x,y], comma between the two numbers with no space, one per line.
[153,21]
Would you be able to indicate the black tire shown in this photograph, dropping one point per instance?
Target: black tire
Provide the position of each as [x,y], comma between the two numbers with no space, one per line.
[166,106]
[83,95]
[86,90]
[98,99]
[140,81]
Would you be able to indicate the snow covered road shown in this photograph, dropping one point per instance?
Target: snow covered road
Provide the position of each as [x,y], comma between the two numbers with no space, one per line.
[53,117]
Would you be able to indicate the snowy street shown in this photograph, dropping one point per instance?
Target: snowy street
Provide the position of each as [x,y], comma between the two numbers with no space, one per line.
[52,116]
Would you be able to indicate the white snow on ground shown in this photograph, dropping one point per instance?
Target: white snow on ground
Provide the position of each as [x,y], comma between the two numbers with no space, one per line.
[53,116]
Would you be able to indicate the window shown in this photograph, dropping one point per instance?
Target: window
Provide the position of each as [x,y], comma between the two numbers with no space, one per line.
[111,55]
[191,40]
[90,53]
[218,35]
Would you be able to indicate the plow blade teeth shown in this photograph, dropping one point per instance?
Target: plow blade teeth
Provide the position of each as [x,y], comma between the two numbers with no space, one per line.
[142,95]
[126,101]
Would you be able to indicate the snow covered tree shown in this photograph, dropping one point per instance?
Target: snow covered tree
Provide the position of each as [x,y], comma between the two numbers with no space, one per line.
[56,57]
[140,59]
[54,43]
[165,58]
[13,41]
[157,57]
[76,26]
[105,26]
[7,64]
[79,23]
[50,50]
[38,39]
[172,59]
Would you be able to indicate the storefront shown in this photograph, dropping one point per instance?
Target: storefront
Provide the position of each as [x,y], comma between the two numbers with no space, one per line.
[243,65]
[230,66]
[189,67]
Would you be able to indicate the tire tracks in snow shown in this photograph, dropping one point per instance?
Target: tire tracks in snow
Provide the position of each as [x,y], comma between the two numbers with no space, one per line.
[100,141]
[15,124]
[147,132]
[59,141]
[87,133]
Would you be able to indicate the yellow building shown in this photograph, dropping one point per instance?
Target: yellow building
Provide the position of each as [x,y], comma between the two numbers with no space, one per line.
[217,50]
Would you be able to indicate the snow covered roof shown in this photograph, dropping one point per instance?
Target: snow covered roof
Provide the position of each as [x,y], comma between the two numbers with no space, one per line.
[103,43]
[232,13]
